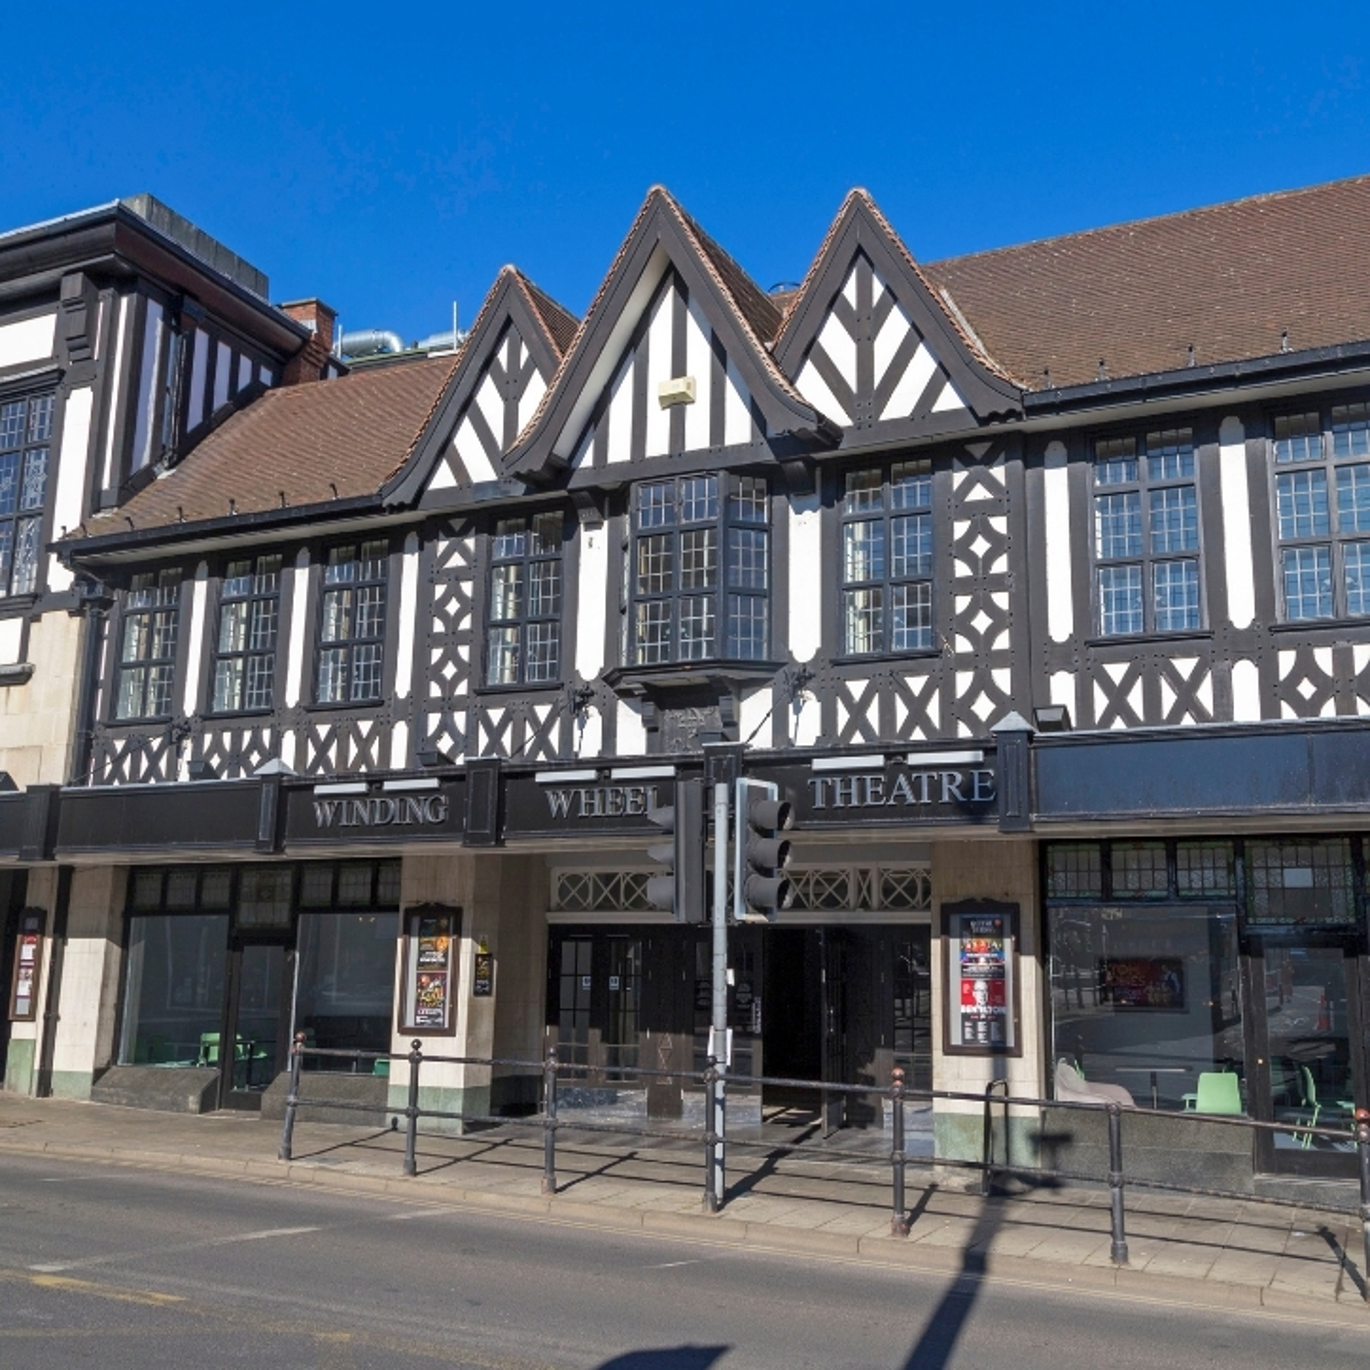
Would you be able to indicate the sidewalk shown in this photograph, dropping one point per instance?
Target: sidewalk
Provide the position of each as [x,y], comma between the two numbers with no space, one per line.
[1224,1253]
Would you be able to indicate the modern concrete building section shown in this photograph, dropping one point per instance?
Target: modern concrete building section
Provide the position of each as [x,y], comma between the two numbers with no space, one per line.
[342,705]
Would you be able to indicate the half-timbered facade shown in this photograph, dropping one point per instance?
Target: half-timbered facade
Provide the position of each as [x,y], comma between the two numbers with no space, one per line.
[1040,579]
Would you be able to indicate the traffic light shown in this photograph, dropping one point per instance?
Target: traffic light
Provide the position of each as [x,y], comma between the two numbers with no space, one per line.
[680,884]
[760,885]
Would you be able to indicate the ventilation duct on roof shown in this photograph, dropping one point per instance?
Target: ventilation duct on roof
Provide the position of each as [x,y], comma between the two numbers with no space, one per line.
[441,342]
[370,342]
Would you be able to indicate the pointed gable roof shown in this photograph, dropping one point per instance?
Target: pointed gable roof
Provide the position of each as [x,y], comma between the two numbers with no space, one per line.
[664,242]
[506,361]
[870,340]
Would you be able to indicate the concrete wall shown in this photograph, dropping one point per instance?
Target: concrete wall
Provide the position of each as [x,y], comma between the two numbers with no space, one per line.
[37,717]
[1007,870]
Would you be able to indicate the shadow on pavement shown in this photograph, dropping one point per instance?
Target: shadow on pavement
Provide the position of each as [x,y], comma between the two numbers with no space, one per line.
[667,1358]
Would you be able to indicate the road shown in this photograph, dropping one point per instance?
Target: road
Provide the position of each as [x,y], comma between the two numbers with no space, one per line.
[122,1267]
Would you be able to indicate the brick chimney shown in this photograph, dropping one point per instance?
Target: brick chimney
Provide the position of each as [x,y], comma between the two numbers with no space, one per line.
[309,363]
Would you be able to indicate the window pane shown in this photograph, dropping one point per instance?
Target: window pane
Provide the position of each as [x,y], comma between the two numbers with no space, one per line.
[1307,582]
[747,503]
[911,485]
[346,981]
[864,491]
[26,547]
[11,425]
[228,684]
[1115,461]
[1074,870]
[9,482]
[1298,437]
[1353,499]
[370,611]
[374,558]
[1139,868]
[910,617]
[696,627]
[653,634]
[262,637]
[544,589]
[332,675]
[543,651]
[863,546]
[6,555]
[40,419]
[130,703]
[1357,573]
[911,545]
[654,564]
[747,626]
[1170,455]
[862,615]
[504,656]
[342,566]
[366,671]
[337,616]
[237,579]
[1302,500]
[699,559]
[233,627]
[1118,525]
[1300,882]
[544,538]
[173,988]
[510,540]
[506,591]
[1174,519]
[1120,600]
[656,504]
[159,690]
[1351,430]
[35,479]
[698,498]
[748,558]
[1177,596]
[261,676]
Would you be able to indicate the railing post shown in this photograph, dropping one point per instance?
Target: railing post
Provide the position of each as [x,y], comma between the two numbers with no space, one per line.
[710,1135]
[1363,1148]
[899,1218]
[549,1135]
[292,1098]
[1115,1180]
[411,1112]
[987,1137]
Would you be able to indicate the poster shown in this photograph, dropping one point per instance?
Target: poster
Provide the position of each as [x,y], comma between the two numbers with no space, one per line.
[981,997]
[432,935]
[27,958]
[1142,982]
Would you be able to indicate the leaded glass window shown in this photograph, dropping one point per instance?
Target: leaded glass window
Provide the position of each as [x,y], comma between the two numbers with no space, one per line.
[25,435]
[352,624]
[524,645]
[249,617]
[147,649]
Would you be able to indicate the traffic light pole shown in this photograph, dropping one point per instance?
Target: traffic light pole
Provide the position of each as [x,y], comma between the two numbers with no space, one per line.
[713,1200]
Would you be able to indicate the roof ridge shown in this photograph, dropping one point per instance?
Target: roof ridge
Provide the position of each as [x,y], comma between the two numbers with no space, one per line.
[561,325]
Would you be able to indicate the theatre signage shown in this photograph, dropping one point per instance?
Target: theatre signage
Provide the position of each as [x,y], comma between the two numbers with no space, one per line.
[391,811]
[956,790]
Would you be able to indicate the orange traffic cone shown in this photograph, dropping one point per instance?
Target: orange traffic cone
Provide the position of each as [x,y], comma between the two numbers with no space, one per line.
[1324,1014]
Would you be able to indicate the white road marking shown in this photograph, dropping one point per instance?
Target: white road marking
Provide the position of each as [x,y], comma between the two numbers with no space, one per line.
[56,1267]
[671,1265]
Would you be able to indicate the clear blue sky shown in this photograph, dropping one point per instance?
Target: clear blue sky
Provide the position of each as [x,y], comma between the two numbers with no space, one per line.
[390,157]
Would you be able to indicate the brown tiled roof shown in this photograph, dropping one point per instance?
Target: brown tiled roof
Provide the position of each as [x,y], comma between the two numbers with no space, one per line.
[1227,280]
[760,311]
[299,445]
[559,322]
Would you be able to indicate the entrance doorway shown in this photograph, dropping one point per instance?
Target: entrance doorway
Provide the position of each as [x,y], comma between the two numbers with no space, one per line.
[256,1019]
[1309,1050]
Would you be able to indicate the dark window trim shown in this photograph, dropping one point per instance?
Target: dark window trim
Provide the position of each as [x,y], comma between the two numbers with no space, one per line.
[524,620]
[352,641]
[214,653]
[119,665]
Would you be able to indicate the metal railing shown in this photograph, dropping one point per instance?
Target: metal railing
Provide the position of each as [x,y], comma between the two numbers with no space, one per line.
[898,1093]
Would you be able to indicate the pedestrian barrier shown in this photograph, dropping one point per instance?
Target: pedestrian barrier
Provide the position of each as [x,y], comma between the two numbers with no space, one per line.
[714,1137]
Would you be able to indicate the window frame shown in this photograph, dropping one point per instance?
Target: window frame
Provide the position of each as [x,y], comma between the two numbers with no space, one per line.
[1147,559]
[886,513]
[348,645]
[32,515]
[247,653]
[525,619]
[1335,541]
[168,660]
[735,490]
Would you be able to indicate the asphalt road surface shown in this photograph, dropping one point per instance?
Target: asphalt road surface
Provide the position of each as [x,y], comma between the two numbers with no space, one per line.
[116,1267]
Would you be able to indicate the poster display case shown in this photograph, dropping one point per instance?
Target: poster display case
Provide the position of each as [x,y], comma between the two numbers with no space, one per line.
[430,974]
[28,962]
[981,1011]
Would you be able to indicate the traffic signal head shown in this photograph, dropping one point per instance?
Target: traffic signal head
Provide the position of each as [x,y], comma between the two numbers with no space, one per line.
[679,883]
[762,855]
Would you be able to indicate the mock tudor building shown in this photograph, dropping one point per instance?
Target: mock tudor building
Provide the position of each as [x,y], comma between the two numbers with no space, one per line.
[1039,580]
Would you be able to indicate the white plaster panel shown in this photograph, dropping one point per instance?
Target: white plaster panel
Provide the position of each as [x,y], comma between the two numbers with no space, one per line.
[442,477]
[288,748]
[471,452]
[223,362]
[146,419]
[905,396]
[531,397]
[199,368]
[806,577]
[589,732]
[658,427]
[840,347]
[752,716]
[889,340]
[849,286]
[737,409]
[699,363]
[815,389]
[491,405]
[244,372]
[122,324]
[949,399]
[11,633]
[399,745]
[1236,507]
[409,582]
[1060,567]
[71,475]
[593,595]
[199,598]
[632,735]
[808,721]
[29,340]
[1062,685]
[619,417]
[294,645]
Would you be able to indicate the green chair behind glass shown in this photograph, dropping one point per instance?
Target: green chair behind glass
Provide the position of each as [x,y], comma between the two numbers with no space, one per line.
[1218,1091]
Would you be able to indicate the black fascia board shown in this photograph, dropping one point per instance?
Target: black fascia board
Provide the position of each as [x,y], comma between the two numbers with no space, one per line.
[987,394]
[73,551]
[660,228]
[505,303]
[1181,382]
[113,240]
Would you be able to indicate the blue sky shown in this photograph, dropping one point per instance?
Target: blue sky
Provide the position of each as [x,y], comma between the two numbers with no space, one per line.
[391,157]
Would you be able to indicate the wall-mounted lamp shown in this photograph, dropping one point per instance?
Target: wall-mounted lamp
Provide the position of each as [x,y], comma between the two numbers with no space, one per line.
[1052,718]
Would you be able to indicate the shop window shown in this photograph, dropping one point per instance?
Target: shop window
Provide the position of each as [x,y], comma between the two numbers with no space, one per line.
[1205,868]
[524,644]
[1146,534]
[1322,506]
[352,624]
[350,884]
[1148,999]
[1074,870]
[147,653]
[249,616]
[1139,868]
[1300,883]
[699,571]
[25,434]
[887,559]
[345,984]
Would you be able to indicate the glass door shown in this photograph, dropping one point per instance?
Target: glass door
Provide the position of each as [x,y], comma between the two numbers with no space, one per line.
[256,1022]
[1310,1052]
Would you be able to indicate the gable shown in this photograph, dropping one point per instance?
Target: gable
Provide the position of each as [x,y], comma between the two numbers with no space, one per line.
[505,396]
[674,340]
[868,342]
